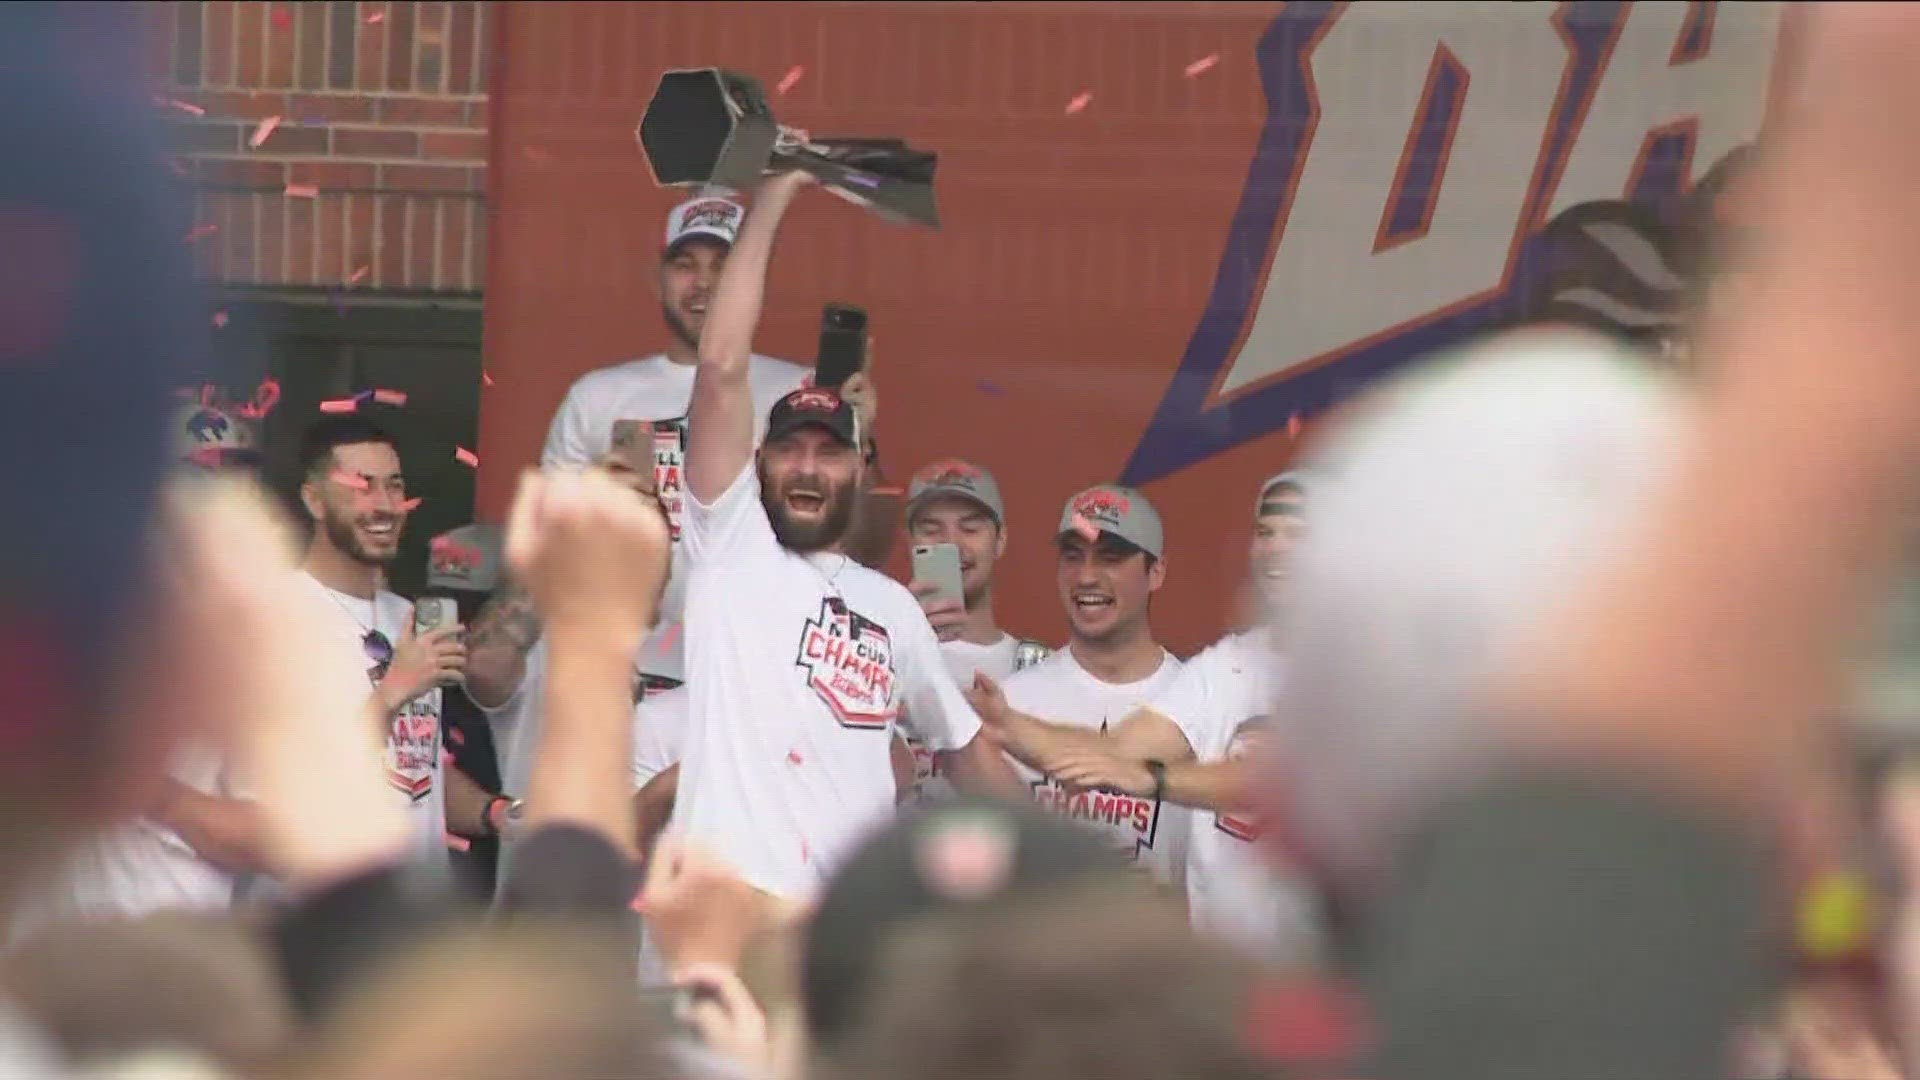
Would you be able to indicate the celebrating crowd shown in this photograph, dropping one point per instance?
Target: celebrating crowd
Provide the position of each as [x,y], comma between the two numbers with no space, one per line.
[1524,755]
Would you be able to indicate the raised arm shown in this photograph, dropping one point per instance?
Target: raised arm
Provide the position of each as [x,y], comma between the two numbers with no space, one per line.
[720,418]
[504,632]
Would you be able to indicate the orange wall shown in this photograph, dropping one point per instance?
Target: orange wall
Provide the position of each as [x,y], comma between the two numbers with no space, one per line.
[1042,329]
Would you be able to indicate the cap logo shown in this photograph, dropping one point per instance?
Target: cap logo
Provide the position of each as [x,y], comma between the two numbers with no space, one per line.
[710,213]
[814,399]
[949,471]
[453,557]
[1103,506]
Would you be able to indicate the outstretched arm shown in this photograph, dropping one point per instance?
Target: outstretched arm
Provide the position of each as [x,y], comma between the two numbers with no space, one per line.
[720,417]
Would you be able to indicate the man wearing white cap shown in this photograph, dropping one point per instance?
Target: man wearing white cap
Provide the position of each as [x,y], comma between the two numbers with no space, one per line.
[1110,545]
[956,502]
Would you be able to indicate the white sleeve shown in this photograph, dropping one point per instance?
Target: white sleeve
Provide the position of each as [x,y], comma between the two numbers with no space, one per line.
[941,717]
[659,734]
[1194,701]
[567,435]
[734,524]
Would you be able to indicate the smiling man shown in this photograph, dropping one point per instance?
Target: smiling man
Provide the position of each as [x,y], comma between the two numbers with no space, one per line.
[799,659]
[1110,564]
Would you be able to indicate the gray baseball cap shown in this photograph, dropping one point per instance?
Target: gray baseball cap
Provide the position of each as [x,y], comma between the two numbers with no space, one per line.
[959,479]
[466,559]
[1122,511]
[1294,478]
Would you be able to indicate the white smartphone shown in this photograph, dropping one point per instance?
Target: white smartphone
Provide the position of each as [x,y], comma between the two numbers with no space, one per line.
[939,565]
[432,612]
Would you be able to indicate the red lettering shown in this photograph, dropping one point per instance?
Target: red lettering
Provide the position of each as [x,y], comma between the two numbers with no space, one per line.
[1105,808]
[832,650]
[1142,816]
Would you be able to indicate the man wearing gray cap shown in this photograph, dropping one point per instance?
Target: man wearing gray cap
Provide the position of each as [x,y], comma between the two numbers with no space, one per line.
[1189,745]
[1110,546]
[956,502]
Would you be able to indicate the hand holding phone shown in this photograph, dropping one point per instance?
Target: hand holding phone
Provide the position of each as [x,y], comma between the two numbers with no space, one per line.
[843,345]
[939,585]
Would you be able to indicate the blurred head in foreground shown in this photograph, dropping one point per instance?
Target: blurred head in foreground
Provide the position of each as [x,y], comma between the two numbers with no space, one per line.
[95,324]
[1406,591]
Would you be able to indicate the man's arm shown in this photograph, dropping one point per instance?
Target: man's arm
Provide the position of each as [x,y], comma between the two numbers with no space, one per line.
[720,416]
[1206,785]
[979,768]
[228,833]
[466,804]
[502,635]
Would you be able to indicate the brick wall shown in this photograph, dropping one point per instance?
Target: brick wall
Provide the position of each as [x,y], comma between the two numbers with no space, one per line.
[335,144]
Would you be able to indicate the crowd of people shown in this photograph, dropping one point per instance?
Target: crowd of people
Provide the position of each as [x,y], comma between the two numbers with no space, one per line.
[1524,755]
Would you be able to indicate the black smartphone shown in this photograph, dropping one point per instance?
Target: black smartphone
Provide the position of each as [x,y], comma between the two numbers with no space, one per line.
[843,345]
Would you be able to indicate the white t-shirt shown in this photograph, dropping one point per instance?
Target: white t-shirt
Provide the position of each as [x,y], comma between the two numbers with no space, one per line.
[1060,691]
[138,868]
[656,390]
[798,667]
[963,659]
[659,739]
[1221,702]
[412,754]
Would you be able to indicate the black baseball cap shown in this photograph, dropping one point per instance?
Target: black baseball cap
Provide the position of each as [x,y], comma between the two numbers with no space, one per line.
[815,406]
[960,856]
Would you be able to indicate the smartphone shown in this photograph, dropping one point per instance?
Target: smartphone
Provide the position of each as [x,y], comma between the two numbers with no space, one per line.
[939,565]
[632,444]
[843,345]
[432,612]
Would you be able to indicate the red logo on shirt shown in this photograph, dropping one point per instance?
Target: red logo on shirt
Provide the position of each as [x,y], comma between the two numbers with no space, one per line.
[1247,737]
[413,747]
[848,659]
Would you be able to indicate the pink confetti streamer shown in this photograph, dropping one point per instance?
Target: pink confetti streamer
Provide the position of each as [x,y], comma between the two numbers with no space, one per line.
[456,736]
[1085,528]
[466,457]
[187,107]
[348,480]
[791,78]
[486,379]
[376,18]
[219,319]
[1202,65]
[260,133]
[1080,102]
[340,405]
[672,635]
[412,504]
[200,231]
[282,18]
[265,397]
[1293,426]
[793,757]
[390,397]
[302,191]
[359,275]
[458,843]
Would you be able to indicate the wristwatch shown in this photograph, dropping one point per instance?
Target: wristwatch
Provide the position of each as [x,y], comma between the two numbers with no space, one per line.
[510,812]
[1157,770]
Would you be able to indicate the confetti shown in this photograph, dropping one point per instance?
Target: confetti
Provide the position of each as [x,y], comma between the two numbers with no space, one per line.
[200,231]
[794,758]
[466,457]
[376,18]
[1202,65]
[1293,426]
[672,635]
[390,397]
[302,191]
[359,275]
[639,901]
[219,319]
[282,18]
[187,107]
[348,480]
[791,78]
[486,379]
[456,736]
[340,405]
[412,504]
[260,133]
[458,843]
[1082,101]
[887,490]
[1085,528]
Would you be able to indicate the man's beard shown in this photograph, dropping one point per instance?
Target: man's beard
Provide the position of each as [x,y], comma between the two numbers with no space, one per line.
[808,537]
[341,535]
[679,327]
